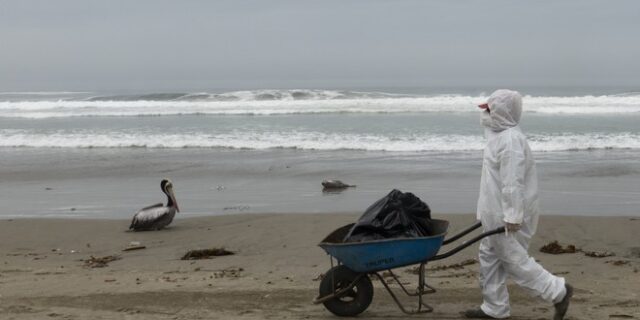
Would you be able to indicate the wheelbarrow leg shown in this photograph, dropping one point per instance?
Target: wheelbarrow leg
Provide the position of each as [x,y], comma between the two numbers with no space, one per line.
[422,284]
[422,306]
[422,281]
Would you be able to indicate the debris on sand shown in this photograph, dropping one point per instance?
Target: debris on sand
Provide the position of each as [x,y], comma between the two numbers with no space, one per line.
[621,316]
[134,245]
[318,278]
[555,248]
[599,254]
[231,272]
[618,263]
[469,274]
[388,274]
[134,248]
[390,278]
[414,270]
[455,266]
[239,208]
[101,262]
[167,279]
[205,254]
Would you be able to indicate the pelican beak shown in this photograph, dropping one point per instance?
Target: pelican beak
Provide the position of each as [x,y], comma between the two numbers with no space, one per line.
[173,197]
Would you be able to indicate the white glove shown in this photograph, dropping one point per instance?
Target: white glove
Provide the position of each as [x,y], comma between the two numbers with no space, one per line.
[512,227]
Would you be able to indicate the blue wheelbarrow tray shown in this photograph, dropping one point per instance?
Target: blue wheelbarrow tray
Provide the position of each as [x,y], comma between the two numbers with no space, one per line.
[377,255]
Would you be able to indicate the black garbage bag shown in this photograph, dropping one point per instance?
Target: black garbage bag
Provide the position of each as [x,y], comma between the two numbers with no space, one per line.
[397,215]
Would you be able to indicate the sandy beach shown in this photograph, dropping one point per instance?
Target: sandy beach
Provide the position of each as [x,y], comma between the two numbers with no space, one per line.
[249,107]
[274,272]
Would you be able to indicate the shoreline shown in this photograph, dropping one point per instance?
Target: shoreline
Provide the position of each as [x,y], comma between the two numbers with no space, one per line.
[271,275]
[115,184]
[183,217]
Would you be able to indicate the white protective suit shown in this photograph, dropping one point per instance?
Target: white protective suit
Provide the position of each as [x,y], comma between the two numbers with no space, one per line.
[509,194]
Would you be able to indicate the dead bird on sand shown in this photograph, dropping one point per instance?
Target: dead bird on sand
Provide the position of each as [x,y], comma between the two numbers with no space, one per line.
[335,184]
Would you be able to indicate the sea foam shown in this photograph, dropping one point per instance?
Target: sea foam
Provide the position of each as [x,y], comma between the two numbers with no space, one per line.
[280,102]
[308,141]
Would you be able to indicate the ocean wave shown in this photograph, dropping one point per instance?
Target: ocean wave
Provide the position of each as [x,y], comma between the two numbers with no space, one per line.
[280,102]
[308,141]
[252,95]
[40,93]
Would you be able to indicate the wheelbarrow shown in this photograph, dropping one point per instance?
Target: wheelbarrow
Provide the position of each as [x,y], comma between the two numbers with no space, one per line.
[346,289]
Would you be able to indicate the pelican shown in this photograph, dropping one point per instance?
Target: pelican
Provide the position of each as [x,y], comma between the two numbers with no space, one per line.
[157,216]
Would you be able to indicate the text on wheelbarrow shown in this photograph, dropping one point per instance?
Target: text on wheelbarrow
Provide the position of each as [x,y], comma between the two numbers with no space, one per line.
[379,262]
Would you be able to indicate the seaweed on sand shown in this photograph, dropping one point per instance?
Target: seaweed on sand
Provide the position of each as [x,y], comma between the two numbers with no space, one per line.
[555,248]
[99,262]
[205,254]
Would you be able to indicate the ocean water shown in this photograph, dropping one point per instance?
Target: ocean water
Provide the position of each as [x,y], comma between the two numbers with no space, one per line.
[85,154]
[307,120]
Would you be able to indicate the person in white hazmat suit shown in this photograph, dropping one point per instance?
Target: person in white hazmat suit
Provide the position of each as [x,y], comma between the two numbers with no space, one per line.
[509,197]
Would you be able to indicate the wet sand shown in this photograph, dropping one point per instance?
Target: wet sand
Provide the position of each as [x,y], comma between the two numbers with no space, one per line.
[271,276]
[114,183]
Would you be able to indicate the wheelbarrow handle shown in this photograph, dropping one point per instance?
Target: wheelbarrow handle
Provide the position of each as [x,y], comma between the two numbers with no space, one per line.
[462,233]
[468,242]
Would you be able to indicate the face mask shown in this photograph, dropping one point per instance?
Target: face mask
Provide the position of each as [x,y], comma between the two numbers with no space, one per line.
[486,120]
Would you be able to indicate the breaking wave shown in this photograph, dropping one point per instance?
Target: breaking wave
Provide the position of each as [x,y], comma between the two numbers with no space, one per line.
[308,141]
[279,102]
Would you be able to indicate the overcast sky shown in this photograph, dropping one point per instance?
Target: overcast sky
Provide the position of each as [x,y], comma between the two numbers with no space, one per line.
[196,45]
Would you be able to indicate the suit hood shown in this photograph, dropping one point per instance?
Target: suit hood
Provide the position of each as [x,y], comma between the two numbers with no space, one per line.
[505,109]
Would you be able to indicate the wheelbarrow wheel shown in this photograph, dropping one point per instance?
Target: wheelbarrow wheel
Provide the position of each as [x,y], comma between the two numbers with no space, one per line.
[353,301]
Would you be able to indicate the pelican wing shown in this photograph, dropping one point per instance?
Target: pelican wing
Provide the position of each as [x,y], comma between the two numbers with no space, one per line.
[159,204]
[148,216]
